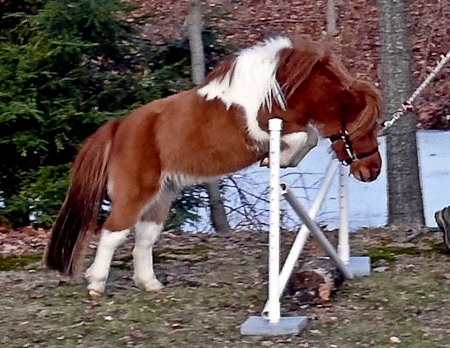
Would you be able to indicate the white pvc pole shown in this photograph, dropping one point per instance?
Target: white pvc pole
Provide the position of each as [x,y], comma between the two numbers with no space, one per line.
[273,303]
[302,235]
[343,247]
[317,232]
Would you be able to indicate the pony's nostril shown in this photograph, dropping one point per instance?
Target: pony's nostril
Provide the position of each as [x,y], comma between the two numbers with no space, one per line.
[358,175]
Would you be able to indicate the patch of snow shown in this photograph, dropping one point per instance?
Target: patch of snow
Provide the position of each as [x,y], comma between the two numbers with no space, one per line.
[367,201]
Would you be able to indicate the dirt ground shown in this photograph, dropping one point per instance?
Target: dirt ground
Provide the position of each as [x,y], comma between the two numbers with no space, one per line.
[213,284]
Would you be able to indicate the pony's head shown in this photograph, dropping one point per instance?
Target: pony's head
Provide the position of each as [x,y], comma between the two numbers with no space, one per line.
[318,87]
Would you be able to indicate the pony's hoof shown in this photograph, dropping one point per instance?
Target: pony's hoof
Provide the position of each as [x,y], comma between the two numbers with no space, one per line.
[95,294]
[264,162]
[153,285]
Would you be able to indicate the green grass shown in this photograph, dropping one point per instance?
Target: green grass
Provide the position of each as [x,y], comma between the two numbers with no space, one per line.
[13,262]
[222,284]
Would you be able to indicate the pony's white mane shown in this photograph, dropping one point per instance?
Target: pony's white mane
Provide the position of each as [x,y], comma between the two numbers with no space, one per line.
[251,83]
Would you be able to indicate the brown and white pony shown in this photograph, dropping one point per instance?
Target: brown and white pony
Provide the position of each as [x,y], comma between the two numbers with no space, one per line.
[143,161]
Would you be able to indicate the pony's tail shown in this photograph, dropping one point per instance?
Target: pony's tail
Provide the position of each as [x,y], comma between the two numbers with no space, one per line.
[78,217]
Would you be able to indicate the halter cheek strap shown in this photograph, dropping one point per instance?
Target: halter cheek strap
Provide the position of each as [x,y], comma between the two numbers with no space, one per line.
[352,156]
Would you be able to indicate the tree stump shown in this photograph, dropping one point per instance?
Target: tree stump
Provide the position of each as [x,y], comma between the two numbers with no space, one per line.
[314,281]
[317,276]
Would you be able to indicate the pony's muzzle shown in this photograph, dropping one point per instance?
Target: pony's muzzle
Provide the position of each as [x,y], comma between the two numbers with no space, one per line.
[367,169]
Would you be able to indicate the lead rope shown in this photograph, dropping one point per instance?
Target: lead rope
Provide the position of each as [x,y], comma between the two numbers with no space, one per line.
[407,106]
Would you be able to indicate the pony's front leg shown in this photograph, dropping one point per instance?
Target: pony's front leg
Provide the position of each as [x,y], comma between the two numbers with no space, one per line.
[146,234]
[295,146]
[97,274]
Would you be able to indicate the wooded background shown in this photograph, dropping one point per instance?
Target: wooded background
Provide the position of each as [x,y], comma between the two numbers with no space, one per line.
[67,66]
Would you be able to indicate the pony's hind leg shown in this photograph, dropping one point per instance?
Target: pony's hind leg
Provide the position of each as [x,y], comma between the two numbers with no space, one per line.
[147,232]
[97,274]
[125,210]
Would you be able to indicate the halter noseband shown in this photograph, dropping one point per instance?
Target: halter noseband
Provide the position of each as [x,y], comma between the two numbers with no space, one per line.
[352,156]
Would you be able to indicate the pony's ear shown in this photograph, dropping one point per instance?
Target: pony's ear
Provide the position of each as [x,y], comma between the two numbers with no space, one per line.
[294,66]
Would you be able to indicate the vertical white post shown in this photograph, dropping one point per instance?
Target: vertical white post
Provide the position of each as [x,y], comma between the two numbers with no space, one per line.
[343,247]
[273,302]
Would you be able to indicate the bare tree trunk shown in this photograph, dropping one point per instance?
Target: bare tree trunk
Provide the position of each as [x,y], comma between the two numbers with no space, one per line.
[331,18]
[218,216]
[196,43]
[405,204]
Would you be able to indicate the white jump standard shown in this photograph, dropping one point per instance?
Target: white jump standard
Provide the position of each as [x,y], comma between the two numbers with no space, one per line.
[270,322]
[359,266]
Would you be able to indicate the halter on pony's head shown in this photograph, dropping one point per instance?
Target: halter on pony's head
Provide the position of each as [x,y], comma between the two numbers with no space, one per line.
[315,83]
